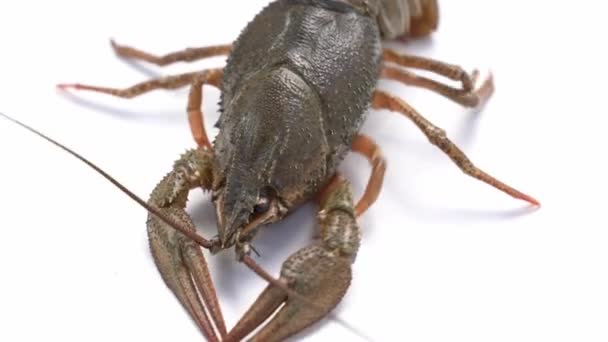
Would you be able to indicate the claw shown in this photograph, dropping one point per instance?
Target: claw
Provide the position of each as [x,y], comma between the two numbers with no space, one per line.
[319,276]
[180,261]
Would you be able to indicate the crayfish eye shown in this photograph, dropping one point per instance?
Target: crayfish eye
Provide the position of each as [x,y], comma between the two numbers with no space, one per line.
[264,202]
[262,205]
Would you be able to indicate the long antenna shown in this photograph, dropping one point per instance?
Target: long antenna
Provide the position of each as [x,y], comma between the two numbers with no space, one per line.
[168,220]
[248,261]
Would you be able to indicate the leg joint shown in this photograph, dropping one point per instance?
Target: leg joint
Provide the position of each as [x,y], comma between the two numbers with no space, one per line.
[437,136]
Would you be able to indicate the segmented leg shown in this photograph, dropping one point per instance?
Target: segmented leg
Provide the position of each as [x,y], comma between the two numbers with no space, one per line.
[369,149]
[320,273]
[365,146]
[195,79]
[468,96]
[211,76]
[438,138]
[474,98]
[195,102]
[453,72]
[178,258]
[186,55]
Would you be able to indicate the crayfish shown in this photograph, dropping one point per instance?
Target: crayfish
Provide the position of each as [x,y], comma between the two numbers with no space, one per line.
[297,86]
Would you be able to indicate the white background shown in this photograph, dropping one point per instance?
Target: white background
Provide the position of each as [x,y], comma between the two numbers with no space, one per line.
[444,257]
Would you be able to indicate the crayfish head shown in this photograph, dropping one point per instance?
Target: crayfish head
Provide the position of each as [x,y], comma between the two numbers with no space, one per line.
[241,214]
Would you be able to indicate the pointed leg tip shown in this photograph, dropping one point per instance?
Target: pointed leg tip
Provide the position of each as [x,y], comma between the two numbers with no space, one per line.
[488,79]
[113,44]
[66,86]
[75,86]
[475,76]
[533,201]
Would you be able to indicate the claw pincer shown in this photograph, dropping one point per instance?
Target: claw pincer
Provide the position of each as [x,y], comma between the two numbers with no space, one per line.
[320,274]
[179,259]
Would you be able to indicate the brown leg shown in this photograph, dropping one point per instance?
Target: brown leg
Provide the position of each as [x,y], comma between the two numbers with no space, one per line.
[453,72]
[467,96]
[195,101]
[368,148]
[210,76]
[473,98]
[186,55]
[438,138]
[196,79]
[320,274]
